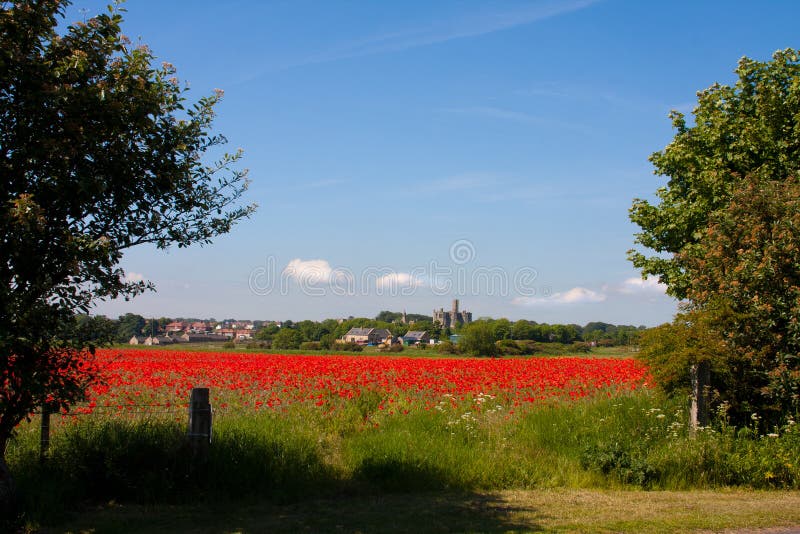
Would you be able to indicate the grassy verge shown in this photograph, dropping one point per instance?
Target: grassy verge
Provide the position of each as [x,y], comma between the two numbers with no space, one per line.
[471,449]
[559,510]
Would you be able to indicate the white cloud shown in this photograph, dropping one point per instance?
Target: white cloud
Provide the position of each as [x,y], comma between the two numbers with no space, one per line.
[639,285]
[394,280]
[132,277]
[311,272]
[649,289]
[576,295]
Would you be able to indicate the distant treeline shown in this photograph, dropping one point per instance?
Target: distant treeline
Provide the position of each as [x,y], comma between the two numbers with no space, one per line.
[291,334]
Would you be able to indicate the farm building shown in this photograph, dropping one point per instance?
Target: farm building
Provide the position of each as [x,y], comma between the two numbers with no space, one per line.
[199,327]
[416,337]
[159,340]
[199,338]
[232,333]
[176,326]
[367,336]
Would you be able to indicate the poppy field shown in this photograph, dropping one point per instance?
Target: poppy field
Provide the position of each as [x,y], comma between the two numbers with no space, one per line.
[293,427]
[133,378]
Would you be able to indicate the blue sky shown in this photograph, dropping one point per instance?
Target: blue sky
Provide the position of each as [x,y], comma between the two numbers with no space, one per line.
[406,153]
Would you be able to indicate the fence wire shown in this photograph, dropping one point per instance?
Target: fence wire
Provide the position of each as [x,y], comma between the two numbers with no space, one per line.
[143,409]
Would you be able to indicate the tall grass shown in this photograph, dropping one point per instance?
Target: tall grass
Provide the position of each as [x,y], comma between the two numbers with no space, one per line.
[638,440]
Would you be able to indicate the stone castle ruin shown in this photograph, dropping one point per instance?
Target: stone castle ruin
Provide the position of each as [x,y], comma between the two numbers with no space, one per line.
[452,318]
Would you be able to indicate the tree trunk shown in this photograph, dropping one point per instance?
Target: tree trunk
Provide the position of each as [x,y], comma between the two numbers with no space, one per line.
[698,413]
[8,494]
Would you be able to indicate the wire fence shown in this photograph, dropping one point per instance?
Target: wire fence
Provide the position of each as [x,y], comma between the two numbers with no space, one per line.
[199,411]
[103,409]
[140,409]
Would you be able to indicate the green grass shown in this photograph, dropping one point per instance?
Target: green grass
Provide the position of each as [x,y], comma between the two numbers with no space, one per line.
[303,454]
[561,510]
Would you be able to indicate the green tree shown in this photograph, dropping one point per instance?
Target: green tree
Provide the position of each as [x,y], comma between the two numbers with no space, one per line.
[590,330]
[330,324]
[129,325]
[327,341]
[478,338]
[435,330]
[502,328]
[445,333]
[312,330]
[565,333]
[523,330]
[627,335]
[99,152]
[415,317]
[155,326]
[400,329]
[670,349]
[748,129]
[543,332]
[729,217]
[93,330]
[389,316]
[268,332]
[749,276]
[287,338]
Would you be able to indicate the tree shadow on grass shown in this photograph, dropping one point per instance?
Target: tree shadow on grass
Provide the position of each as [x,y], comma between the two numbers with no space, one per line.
[386,513]
[260,486]
[420,512]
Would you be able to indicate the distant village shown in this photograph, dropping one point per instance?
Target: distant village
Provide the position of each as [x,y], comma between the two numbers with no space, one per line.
[243,331]
[387,331]
[198,332]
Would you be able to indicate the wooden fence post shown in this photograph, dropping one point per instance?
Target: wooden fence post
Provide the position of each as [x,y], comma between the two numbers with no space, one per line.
[700,374]
[44,438]
[199,423]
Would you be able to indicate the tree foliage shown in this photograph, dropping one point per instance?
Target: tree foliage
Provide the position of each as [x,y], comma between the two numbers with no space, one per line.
[749,277]
[730,217]
[749,129]
[287,338]
[99,152]
[387,316]
[268,332]
[671,349]
[312,330]
[479,339]
[129,325]
[90,330]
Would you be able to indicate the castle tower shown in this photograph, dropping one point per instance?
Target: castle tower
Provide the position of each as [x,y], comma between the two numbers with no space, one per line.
[454,319]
